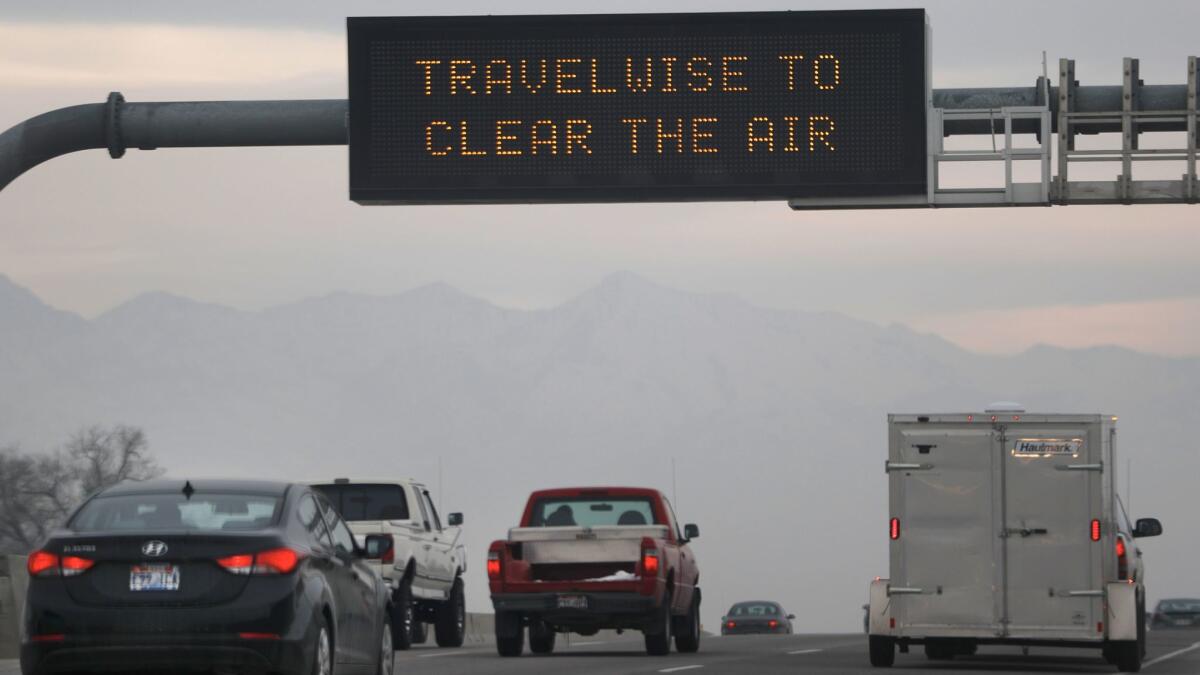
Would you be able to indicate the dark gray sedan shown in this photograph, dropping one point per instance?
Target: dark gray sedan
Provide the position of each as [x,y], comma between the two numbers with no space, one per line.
[1176,613]
[758,616]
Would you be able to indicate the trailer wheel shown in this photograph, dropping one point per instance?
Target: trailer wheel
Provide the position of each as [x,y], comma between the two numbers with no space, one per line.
[883,651]
[939,651]
[1128,656]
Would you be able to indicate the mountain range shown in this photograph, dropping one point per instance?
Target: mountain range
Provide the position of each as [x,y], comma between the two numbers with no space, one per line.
[768,426]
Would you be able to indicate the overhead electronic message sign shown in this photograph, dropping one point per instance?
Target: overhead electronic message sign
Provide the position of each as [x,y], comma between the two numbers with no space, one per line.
[640,107]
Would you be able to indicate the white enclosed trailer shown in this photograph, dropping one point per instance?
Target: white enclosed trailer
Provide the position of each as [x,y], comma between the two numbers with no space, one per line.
[1006,528]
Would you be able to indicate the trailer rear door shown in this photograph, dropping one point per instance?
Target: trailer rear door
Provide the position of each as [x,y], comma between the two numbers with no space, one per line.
[1053,484]
[945,554]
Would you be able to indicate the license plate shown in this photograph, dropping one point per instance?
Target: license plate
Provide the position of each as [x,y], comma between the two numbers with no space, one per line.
[572,602]
[154,577]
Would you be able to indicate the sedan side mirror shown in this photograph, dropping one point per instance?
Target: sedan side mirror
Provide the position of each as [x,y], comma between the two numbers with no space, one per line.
[455,519]
[691,531]
[377,546]
[791,617]
[1147,527]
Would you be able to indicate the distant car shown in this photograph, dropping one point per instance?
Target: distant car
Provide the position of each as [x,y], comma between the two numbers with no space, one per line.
[1176,613]
[756,617]
[243,576]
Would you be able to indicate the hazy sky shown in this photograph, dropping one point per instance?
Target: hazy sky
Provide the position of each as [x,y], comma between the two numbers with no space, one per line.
[252,227]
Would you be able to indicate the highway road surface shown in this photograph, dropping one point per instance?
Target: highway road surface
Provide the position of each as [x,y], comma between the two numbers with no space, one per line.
[1170,652]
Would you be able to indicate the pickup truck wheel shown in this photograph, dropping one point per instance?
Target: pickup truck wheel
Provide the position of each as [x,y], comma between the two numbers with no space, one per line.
[883,651]
[510,634]
[420,631]
[541,638]
[658,637]
[403,616]
[451,623]
[687,629]
[1128,656]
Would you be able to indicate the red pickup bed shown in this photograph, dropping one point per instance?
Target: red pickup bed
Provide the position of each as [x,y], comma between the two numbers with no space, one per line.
[587,559]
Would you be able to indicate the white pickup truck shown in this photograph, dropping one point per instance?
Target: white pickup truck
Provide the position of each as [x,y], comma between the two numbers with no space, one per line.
[1006,529]
[425,563]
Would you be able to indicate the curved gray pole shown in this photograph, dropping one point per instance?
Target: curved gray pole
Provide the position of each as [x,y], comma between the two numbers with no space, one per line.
[117,125]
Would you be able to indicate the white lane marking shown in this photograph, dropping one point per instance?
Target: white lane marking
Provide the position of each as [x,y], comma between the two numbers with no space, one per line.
[806,651]
[1167,657]
[676,669]
[436,654]
[589,644]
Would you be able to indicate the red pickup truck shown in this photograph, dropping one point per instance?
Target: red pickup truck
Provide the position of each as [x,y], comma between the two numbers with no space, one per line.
[587,559]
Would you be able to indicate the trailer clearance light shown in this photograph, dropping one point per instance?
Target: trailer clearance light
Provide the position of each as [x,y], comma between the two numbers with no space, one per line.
[493,565]
[895,529]
[1095,529]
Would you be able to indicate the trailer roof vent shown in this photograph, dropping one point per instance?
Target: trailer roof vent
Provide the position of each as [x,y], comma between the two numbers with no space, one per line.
[1005,407]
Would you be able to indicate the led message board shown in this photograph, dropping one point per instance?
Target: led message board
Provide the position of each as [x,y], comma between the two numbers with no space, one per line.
[640,107]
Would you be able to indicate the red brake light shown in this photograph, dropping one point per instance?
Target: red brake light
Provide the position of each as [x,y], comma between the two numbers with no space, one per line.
[74,565]
[276,561]
[895,529]
[1122,561]
[1095,529]
[731,624]
[493,565]
[48,637]
[650,562]
[772,623]
[259,636]
[238,564]
[42,563]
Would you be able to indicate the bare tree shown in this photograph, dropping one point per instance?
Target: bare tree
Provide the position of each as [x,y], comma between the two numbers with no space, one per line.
[103,457]
[38,492]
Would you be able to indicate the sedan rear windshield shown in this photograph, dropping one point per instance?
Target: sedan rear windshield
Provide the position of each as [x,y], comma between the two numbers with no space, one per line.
[361,501]
[592,512]
[1180,606]
[206,513]
[754,609]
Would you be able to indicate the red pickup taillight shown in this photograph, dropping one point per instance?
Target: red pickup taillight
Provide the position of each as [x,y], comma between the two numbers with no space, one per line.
[274,561]
[650,562]
[493,565]
[47,564]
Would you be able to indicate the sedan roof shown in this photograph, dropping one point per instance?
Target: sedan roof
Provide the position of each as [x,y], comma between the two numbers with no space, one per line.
[201,486]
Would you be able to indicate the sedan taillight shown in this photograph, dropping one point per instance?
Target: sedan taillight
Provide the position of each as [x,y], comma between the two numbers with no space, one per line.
[47,564]
[42,564]
[275,561]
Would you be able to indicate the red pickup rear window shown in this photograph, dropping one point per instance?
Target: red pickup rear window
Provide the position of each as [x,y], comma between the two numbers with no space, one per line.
[592,512]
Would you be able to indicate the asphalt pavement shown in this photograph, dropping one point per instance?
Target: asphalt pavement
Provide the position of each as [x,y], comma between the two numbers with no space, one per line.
[1175,653]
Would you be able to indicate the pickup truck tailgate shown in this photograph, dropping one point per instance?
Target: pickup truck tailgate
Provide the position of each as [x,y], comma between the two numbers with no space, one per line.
[603,553]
